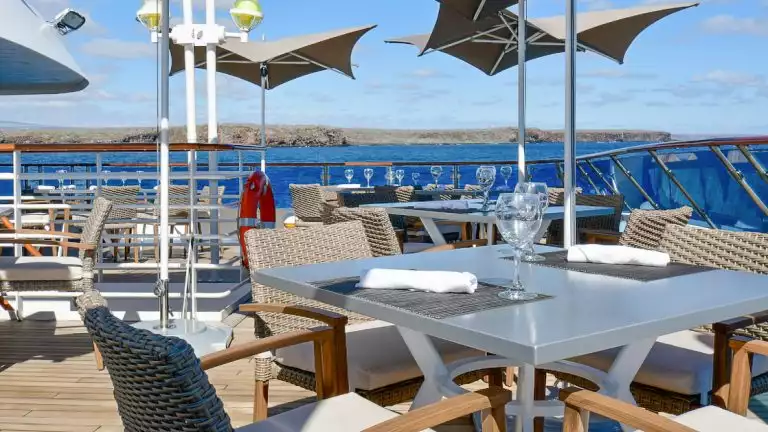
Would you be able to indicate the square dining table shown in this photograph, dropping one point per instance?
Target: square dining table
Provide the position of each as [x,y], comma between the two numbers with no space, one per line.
[586,313]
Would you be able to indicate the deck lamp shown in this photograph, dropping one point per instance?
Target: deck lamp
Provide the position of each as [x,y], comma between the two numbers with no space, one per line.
[246,14]
[150,14]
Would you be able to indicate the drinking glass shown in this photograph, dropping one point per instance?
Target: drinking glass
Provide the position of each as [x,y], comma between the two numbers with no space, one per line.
[415,177]
[518,216]
[348,174]
[138,178]
[539,189]
[436,172]
[486,177]
[124,177]
[400,175]
[506,173]
[106,176]
[368,174]
[61,173]
[390,177]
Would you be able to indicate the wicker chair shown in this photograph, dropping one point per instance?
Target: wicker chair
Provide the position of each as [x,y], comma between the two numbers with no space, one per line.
[578,403]
[122,195]
[742,251]
[609,222]
[306,200]
[644,228]
[337,242]
[431,187]
[160,384]
[178,195]
[68,274]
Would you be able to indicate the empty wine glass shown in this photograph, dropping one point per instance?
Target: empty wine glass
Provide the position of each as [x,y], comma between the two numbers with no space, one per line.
[61,173]
[436,172]
[368,174]
[400,175]
[390,177]
[518,216]
[541,190]
[106,176]
[138,178]
[486,177]
[348,174]
[415,177]
[506,173]
[124,177]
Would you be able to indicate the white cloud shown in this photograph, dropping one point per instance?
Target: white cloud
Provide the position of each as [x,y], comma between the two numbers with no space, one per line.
[428,73]
[731,78]
[616,73]
[732,24]
[119,49]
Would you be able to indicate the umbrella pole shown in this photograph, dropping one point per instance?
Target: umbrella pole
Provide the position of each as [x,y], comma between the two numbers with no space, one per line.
[569,153]
[521,89]
[264,73]
[164,162]
[213,127]
[189,76]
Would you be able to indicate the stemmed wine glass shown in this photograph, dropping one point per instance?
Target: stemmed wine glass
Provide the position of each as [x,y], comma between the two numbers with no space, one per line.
[415,177]
[368,174]
[390,177]
[106,176]
[348,174]
[486,177]
[518,216]
[436,172]
[400,175]
[124,177]
[506,173]
[539,189]
[61,173]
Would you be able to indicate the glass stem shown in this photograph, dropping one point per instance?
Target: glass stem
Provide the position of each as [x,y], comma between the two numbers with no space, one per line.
[516,269]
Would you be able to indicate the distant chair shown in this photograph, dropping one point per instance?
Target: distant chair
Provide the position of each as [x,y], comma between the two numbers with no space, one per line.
[307,200]
[644,229]
[121,196]
[204,198]
[178,195]
[609,222]
[448,187]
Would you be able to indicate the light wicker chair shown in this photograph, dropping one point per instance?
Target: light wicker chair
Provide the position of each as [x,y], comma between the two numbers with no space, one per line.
[610,222]
[431,187]
[178,195]
[578,403]
[160,385]
[742,251]
[122,195]
[68,274]
[306,200]
[337,242]
[644,228]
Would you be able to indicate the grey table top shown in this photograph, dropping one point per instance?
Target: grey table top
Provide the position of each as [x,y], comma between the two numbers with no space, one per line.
[413,209]
[589,313]
[456,192]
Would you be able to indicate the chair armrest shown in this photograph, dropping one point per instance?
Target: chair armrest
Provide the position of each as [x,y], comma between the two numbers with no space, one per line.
[458,245]
[578,400]
[598,235]
[44,242]
[330,318]
[730,325]
[250,349]
[491,401]
[40,233]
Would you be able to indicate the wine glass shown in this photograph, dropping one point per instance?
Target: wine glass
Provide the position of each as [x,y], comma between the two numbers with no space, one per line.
[124,177]
[348,174]
[518,216]
[486,176]
[415,177]
[436,172]
[368,174]
[106,176]
[61,173]
[390,177]
[400,175]
[541,190]
[506,173]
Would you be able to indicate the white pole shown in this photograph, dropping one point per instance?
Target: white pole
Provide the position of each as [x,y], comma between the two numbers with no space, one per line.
[569,153]
[191,99]
[164,160]
[17,222]
[521,87]
[213,127]
[264,72]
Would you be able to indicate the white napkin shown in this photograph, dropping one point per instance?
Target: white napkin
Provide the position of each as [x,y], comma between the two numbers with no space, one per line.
[349,186]
[609,254]
[431,281]
[46,188]
[450,205]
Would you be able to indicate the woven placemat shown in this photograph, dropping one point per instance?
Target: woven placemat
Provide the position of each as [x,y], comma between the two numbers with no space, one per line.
[432,305]
[633,272]
[445,210]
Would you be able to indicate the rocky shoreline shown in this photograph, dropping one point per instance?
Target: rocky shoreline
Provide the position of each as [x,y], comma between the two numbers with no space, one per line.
[324,136]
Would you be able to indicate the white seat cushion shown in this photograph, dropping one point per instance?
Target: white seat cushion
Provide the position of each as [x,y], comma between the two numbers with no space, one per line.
[376,356]
[679,362]
[345,413]
[40,269]
[714,419]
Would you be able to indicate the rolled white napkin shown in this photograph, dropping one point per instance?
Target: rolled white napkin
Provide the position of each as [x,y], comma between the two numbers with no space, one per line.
[610,254]
[431,281]
[46,188]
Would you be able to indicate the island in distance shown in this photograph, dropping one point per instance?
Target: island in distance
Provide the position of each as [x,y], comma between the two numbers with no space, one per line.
[322,136]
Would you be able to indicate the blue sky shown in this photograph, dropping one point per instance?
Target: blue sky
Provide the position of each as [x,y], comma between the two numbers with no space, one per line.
[702,70]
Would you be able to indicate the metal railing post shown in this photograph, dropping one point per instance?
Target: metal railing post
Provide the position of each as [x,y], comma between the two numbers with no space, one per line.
[456,178]
[634,181]
[589,179]
[326,175]
[755,163]
[739,177]
[679,185]
[17,198]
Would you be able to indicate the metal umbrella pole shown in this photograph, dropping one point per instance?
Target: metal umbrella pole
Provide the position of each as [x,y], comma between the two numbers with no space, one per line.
[162,285]
[264,82]
[569,151]
[521,90]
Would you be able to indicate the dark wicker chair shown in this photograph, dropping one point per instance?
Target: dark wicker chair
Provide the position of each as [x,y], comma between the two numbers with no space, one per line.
[122,195]
[609,222]
[330,243]
[644,228]
[741,251]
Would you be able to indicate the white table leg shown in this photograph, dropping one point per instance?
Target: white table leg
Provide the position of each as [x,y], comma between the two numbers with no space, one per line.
[524,417]
[623,371]
[433,231]
[430,363]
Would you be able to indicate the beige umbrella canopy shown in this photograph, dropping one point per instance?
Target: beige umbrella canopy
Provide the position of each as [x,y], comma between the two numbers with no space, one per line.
[476,9]
[287,59]
[490,44]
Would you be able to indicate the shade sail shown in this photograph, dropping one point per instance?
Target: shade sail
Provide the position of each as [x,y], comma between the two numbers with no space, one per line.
[476,9]
[490,44]
[33,56]
[287,59]
[611,32]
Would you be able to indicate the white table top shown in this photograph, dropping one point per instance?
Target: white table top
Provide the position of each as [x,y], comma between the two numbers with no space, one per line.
[456,192]
[589,313]
[552,213]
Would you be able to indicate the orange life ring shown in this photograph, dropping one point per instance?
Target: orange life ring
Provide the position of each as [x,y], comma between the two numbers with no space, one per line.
[257,208]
